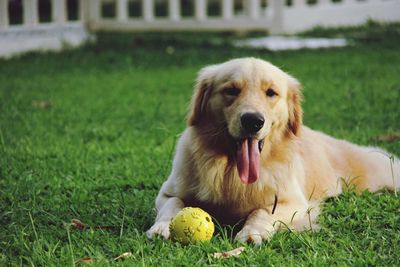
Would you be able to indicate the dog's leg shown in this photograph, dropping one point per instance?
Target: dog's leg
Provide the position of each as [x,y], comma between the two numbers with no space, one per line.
[295,216]
[261,224]
[167,208]
[170,198]
[258,228]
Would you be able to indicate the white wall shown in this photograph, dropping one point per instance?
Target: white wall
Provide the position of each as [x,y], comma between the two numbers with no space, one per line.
[347,13]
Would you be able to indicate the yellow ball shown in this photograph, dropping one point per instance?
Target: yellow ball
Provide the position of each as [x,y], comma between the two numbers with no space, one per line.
[191,225]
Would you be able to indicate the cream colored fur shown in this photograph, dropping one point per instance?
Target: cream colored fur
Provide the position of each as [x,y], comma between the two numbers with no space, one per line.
[299,167]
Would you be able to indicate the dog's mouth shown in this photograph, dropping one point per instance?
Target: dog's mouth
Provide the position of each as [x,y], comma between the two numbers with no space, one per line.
[248,159]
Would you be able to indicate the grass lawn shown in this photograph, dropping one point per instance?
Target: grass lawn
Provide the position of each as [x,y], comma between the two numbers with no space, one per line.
[99,145]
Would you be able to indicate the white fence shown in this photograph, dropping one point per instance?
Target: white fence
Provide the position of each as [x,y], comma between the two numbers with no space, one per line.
[300,16]
[31,33]
[275,16]
[226,15]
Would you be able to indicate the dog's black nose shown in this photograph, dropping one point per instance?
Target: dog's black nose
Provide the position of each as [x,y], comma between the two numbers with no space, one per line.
[252,122]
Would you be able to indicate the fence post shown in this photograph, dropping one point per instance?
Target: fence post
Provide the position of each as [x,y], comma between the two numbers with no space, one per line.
[174,10]
[122,14]
[58,13]
[277,16]
[4,19]
[30,11]
[299,3]
[227,9]
[324,2]
[200,9]
[254,9]
[84,11]
[94,10]
[148,13]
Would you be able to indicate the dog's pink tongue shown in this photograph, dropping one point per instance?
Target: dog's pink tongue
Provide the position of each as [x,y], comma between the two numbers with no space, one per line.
[248,161]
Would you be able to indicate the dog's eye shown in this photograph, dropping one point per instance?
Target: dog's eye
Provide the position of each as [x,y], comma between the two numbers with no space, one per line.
[271,93]
[232,91]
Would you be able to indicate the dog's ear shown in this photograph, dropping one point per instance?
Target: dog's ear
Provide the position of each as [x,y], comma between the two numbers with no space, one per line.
[294,103]
[201,95]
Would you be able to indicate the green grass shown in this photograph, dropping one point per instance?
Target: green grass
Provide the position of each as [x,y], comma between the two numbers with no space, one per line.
[104,147]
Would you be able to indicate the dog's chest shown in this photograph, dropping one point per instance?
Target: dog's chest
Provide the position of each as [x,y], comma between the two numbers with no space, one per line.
[219,188]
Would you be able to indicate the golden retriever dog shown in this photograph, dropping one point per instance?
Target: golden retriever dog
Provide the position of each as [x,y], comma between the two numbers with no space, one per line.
[245,155]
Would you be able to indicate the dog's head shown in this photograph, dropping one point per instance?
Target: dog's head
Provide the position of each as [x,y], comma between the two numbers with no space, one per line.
[253,101]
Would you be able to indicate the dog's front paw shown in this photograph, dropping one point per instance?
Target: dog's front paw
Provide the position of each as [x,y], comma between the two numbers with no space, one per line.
[254,234]
[160,229]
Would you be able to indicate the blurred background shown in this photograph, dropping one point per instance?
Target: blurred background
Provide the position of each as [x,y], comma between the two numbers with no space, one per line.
[28,25]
